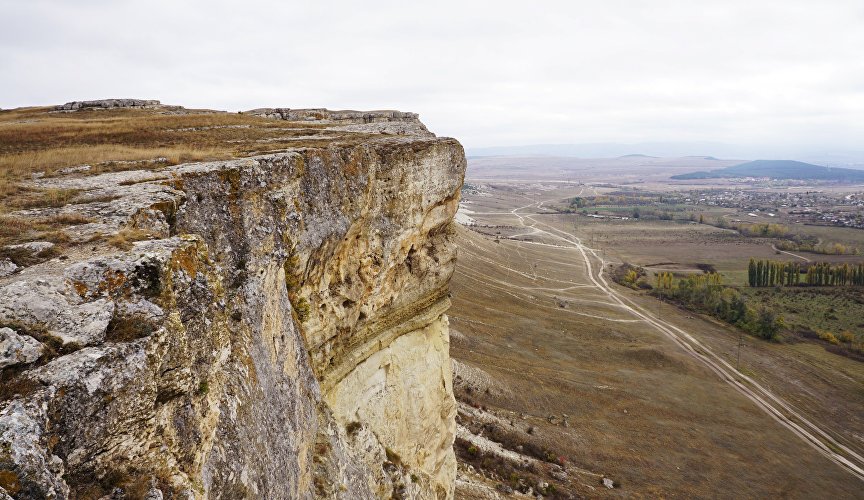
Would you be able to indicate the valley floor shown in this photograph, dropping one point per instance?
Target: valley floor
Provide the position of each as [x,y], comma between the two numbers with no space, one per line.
[599,381]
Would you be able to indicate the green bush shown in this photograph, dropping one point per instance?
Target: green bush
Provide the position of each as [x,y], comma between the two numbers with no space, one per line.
[705,292]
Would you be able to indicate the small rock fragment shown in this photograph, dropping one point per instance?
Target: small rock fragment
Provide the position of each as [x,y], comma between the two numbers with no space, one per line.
[74,170]
[7,268]
[18,349]
[154,494]
[34,246]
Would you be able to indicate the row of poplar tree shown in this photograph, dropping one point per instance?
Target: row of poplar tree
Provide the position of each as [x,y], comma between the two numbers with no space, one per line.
[773,273]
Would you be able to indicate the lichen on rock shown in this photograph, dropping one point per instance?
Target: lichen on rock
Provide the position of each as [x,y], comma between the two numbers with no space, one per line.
[18,349]
[269,327]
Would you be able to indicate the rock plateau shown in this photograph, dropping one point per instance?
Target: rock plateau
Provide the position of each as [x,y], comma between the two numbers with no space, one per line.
[279,333]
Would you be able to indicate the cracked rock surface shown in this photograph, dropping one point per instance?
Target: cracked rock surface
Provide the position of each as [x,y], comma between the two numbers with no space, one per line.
[275,329]
[17,349]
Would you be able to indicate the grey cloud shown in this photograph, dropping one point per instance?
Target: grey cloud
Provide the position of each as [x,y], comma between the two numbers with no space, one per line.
[489,73]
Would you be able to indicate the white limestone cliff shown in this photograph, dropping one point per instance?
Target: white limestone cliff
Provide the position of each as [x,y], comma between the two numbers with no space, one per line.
[281,334]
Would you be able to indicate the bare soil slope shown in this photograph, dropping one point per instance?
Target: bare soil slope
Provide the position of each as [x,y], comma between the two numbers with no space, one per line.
[614,396]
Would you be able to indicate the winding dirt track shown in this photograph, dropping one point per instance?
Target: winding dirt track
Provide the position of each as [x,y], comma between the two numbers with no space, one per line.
[805,259]
[780,410]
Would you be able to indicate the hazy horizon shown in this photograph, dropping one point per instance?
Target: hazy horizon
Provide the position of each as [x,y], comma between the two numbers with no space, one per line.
[841,158]
[786,74]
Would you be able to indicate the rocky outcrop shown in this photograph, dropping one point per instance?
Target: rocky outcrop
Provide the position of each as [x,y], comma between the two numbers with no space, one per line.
[326,116]
[375,122]
[17,349]
[277,331]
[108,104]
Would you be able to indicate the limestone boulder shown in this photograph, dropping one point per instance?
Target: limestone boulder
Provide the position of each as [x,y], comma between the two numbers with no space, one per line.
[272,326]
[18,349]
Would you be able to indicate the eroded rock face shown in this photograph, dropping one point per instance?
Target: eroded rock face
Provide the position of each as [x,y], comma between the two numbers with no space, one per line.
[108,104]
[407,382]
[281,335]
[375,122]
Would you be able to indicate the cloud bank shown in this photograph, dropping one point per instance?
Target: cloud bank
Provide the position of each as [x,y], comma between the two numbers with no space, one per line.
[753,72]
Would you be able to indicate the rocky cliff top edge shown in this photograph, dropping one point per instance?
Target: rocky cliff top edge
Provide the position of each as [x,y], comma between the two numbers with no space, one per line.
[175,335]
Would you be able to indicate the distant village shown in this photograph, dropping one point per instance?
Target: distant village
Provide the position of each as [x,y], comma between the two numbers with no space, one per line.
[805,207]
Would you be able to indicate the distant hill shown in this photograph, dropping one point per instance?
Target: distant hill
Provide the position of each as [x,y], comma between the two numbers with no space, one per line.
[824,156]
[779,169]
[703,157]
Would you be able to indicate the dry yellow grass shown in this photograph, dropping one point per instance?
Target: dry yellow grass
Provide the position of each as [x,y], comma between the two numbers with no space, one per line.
[124,239]
[640,410]
[26,197]
[38,140]
[19,229]
[19,165]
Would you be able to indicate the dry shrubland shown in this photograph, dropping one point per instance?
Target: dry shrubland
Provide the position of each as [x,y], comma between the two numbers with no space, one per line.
[40,141]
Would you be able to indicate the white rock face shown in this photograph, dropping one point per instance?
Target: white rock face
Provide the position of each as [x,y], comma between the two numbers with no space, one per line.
[405,391]
[42,304]
[282,334]
[17,349]
[34,246]
[22,426]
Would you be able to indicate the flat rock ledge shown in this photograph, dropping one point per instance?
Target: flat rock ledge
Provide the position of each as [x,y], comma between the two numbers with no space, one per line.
[108,104]
[266,327]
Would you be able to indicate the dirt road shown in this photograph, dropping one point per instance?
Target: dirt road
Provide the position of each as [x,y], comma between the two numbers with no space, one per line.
[780,410]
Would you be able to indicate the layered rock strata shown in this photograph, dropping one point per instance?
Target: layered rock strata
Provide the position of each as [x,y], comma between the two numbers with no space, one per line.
[108,104]
[277,331]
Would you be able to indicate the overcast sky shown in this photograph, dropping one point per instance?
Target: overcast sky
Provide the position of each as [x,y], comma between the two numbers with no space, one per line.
[785,72]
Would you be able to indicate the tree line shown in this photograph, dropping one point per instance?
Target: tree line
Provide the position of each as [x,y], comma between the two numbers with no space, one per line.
[762,273]
[706,292]
[786,238]
[814,247]
[665,280]
[762,230]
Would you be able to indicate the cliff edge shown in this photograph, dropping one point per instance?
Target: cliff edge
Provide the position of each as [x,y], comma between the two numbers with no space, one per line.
[264,327]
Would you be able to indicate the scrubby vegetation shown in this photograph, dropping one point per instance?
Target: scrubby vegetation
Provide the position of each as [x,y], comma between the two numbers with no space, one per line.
[630,276]
[815,247]
[787,239]
[124,239]
[830,315]
[706,293]
[762,230]
[637,205]
[773,303]
[19,229]
[513,476]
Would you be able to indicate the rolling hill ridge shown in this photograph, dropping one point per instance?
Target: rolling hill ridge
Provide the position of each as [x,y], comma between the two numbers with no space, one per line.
[779,169]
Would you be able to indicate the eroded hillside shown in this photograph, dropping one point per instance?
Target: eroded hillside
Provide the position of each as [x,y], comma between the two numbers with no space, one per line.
[266,324]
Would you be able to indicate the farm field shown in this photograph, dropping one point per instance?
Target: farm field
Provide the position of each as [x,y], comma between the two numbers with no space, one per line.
[622,386]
